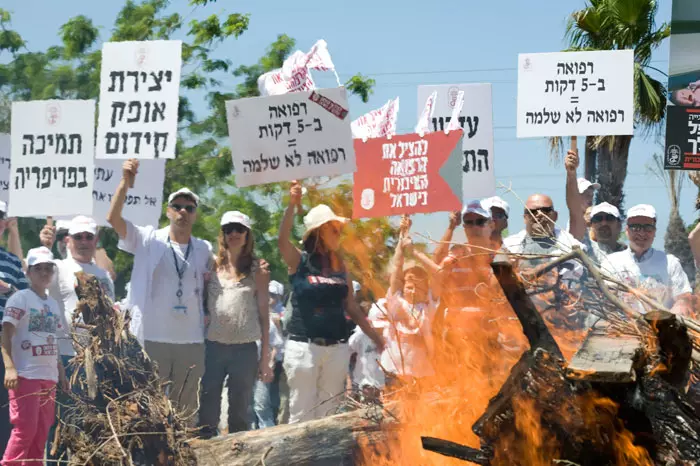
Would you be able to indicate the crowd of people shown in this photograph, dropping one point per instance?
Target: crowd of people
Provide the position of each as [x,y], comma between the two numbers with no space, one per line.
[224,335]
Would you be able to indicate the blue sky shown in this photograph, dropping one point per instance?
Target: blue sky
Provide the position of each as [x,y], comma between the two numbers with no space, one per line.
[402,44]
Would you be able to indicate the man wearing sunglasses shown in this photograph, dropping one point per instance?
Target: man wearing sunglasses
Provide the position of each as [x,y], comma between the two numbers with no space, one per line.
[641,266]
[606,223]
[541,236]
[80,243]
[167,287]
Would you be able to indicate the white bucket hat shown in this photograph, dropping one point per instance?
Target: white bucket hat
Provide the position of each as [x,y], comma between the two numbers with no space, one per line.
[318,216]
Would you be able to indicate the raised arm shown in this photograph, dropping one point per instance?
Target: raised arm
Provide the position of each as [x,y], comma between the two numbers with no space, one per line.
[443,248]
[114,216]
[290,254]
[14,241]
[574,200]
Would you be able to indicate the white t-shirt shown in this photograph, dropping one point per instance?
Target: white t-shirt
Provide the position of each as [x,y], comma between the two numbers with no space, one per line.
[367,371]
[408,337]
[34,345]
[659,274]
[62,289]
[164,323]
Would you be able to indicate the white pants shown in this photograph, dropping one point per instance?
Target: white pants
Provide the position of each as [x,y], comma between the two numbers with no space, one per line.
[316,377]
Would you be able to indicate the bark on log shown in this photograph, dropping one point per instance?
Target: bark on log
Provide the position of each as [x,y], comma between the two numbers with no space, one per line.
[331,441]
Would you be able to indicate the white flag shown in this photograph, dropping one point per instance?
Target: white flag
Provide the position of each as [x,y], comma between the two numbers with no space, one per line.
[377,123]
[423,125]
[454,125]
[294,76]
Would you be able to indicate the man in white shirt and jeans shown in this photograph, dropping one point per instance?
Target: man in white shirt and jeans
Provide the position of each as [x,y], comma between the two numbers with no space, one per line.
[167,288]
[641,266]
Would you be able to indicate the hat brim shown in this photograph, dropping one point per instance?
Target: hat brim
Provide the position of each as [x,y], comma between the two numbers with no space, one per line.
[189,196]
[234,223]
[342,220]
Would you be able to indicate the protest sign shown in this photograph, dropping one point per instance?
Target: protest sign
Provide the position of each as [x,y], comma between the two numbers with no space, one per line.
[143,204]
[408,174]
[575,94]
[476,119]
[295,75]
[139,99]
[5,167]
[290,136]
[53,144]
[378,123]
[683,104]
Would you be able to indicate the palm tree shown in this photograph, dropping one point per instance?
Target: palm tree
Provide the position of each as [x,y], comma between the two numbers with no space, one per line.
[618,25]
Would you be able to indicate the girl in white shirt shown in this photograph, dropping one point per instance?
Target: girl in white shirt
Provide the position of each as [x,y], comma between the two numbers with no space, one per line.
[32,365]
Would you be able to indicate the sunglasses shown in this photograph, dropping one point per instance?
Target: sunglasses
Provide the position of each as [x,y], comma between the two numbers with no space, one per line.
[604,217]
[641,227]
[83,237]
[479,222]
[188,207]
[499,215]
[231,227]
[544,210]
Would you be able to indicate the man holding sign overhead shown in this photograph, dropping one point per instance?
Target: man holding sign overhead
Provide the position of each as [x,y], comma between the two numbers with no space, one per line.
[167,280]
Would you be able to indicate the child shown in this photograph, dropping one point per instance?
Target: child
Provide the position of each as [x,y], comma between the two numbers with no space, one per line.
[32,365]
[410,310]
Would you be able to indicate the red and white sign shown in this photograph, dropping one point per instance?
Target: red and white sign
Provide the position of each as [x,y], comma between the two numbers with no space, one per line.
[408,174]
[378,123]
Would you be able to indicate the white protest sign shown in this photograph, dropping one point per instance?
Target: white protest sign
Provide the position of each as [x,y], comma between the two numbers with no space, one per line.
[143,204]
[5,151]
[576,94]
[53,145]
[139,98]
[476,119]
[291,136]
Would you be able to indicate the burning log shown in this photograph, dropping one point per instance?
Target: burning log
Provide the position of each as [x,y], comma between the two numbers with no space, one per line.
[119,412]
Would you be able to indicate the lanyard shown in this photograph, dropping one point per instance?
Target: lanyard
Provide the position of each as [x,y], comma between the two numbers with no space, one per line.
[180,273]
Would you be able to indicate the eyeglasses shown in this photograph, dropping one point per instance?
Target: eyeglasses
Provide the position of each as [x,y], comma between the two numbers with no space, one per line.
[600,217]
[499,215]
[641,227]
[83,237]
[479,222]
[188,207]
[231,227]
[544,210]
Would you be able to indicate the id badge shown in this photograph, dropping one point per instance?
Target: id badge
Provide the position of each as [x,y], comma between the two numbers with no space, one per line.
[180,309]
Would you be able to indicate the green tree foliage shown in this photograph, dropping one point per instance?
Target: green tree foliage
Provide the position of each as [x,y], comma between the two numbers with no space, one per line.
[71,70]
[676,243]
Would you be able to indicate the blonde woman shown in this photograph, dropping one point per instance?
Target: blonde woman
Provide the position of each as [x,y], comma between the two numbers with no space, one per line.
[237,305]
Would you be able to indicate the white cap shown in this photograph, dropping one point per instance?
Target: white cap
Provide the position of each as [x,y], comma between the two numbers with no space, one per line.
[276,287]
[356,286]
[495,201]
[235,216]
[318,216]
[605,208]
[3,206]
[642,210]
[478,207]
[40,255]
[584,184]
[186,193]
[63,225]
[82,224]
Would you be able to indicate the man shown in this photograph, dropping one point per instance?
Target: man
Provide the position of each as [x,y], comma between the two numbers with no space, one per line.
[643,267]
[606,224]
[167,283]
[80,242]
[541,236]
[11,279]
[500,210]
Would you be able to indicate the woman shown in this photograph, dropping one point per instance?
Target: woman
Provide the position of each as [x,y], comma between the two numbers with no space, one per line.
[237,304]
[316,355]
